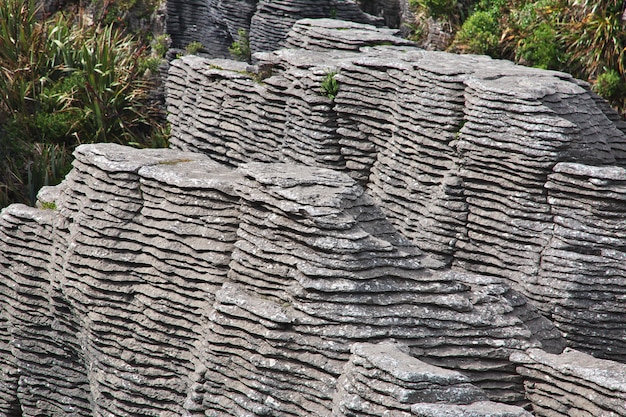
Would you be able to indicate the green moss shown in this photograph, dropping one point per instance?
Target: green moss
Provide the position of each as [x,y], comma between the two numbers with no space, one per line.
[48,205]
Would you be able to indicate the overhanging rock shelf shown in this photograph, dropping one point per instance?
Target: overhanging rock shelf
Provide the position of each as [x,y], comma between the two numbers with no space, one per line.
[425,243]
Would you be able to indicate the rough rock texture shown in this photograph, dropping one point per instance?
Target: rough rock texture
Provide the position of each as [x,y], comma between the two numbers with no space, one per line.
[382,379]
[164,282]
[109,290]
[307,252]
[216,23]
[465,155]
[572,384]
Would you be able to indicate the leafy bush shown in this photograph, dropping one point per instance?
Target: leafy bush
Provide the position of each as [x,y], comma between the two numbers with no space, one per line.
[193,48]
[65,84]
[435,8]
[583,37]
[533,35]
[540,48]
[610,85]
[160,45]
[480,34]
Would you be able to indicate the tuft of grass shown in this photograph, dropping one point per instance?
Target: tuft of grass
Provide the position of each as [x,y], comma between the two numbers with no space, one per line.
[329,86]
[193,48]
[175,161]
[48,205]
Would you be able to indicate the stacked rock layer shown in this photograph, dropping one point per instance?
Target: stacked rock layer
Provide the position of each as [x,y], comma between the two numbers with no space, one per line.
[457,151]
[333,234]
[572,384]
[263,25]
[316,268]
[160,281]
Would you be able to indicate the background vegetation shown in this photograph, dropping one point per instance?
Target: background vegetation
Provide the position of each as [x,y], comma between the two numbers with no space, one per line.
[75,78]
[583,37]
[64,81]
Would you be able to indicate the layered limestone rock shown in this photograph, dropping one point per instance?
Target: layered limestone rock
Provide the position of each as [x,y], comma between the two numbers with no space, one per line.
[216,24]
[463,154]
[572,383]
[317,268]
[160,281]
[356,228]
[583,263]
[383,380]
[109,291]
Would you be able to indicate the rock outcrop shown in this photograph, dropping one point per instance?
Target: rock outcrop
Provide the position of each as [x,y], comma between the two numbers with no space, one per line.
[572,383]
[160,280]
[476,161]
[352,226]
[216,24]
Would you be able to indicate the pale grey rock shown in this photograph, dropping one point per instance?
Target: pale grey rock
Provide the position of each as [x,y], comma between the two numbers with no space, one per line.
[477,409]
[240,272]
[382,379]
[572,380]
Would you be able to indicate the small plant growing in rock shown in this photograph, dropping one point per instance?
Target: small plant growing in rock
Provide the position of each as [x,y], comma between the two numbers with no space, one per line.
[329,86]
[48,205]
[160,45]
[240,49]
[193,48]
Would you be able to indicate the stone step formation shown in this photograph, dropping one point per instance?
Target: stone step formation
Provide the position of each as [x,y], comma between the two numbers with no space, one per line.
[217,24]
[171,283]
[572,383]
[423,240]
[456,150]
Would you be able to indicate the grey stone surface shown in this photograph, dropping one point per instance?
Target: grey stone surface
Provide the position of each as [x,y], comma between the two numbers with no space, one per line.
[427,241]
[457,151]
[477,409]
[572,382]
[216,23]
[383,379]
[145,269]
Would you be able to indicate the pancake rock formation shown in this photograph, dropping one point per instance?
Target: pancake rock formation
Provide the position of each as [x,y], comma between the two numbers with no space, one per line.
[350,227]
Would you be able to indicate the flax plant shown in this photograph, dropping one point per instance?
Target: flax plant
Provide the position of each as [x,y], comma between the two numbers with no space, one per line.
[62,84]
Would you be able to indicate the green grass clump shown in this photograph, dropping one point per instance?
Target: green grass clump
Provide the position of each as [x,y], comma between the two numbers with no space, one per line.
[193,48]
[329,86]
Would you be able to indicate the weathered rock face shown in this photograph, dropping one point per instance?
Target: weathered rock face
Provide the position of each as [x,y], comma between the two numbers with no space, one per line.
[490,167]
[572,382]
[216,23]
[164,282]
[302,251]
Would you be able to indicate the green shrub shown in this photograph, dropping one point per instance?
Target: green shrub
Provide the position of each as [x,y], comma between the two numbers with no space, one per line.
[240,49]
[480,34]
[160,45]
[540,48]
[193,48]
[436,8]
[610,85]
